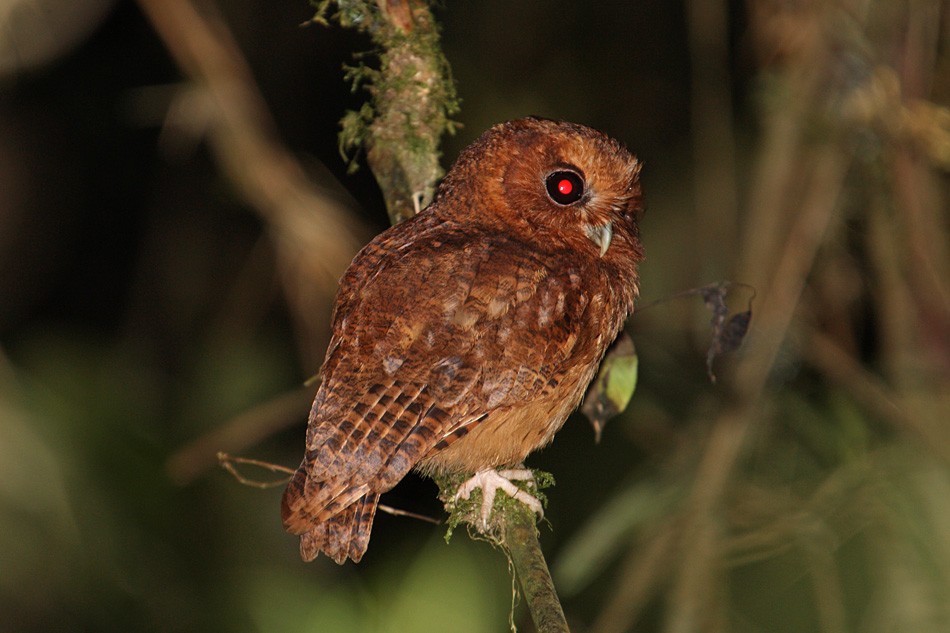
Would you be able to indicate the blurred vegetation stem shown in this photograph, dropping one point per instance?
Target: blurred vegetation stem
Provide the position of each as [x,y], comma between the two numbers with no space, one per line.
[412,97]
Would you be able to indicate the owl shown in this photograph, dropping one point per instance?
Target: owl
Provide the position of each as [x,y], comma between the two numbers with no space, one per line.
[464,337]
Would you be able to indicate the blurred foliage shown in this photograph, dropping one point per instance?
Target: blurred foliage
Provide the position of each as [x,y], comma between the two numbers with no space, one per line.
[797,147]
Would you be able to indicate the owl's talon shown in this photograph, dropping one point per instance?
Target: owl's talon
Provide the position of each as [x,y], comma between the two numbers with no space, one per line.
[490,481]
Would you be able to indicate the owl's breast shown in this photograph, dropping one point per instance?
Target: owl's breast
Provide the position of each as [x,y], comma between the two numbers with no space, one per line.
[507,435]
[501,336]
[533,359]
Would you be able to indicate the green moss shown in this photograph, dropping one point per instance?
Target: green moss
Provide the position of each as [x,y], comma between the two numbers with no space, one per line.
[468,511]
[354,130]
[412,97]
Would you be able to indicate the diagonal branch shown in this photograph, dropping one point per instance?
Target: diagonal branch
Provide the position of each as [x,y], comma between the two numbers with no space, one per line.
[412,97]
[520,537]
[314,235]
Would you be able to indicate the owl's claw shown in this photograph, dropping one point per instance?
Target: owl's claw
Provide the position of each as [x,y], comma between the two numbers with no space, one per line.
[491,481]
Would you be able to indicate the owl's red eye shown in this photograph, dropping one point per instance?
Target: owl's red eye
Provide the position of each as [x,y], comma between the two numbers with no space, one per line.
[565,187]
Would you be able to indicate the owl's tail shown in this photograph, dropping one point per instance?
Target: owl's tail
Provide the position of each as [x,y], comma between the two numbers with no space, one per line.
[329,518]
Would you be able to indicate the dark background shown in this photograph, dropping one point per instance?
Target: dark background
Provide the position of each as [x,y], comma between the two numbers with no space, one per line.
[140,309]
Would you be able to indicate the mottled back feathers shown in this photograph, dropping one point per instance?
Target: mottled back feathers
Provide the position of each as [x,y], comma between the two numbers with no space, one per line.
[464,337]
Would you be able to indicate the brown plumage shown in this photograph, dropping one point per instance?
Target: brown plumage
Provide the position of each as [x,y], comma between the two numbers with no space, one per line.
[464,337]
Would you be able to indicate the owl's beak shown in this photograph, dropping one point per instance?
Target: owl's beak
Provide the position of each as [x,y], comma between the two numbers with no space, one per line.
[601,235]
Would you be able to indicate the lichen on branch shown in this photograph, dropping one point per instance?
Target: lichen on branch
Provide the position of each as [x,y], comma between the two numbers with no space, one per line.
[412,99]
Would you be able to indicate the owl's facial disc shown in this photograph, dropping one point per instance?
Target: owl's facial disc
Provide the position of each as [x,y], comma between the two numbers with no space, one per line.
[566,187]
[600,234]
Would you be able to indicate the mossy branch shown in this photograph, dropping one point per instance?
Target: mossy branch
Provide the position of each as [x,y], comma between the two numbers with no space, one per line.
[412,97]
[520,536]
[512,526]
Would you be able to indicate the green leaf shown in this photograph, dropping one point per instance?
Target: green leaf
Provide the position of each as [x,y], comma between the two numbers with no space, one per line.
[611,391]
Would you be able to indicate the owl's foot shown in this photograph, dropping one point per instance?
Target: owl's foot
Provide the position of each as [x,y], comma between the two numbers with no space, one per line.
[491,481]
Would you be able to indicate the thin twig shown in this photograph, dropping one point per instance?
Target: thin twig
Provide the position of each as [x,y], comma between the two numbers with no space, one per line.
[237,434]
[396,512]
[228,463]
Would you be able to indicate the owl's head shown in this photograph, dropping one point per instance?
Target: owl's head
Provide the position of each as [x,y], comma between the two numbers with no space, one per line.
[552,180]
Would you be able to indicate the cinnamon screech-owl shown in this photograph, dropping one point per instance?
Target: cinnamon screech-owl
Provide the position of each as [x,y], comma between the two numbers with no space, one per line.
[464,337]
